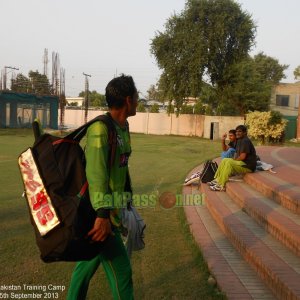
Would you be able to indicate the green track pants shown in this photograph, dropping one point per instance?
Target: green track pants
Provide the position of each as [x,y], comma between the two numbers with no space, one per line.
[228,167]
[116,265]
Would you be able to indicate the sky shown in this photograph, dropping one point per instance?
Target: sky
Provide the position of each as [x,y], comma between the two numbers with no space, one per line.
[105,38]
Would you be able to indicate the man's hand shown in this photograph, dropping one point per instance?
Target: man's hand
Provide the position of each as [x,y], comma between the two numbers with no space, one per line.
[101,230]
[224,146]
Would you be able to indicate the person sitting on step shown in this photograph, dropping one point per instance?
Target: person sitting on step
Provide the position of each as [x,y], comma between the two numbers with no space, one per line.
[244,161]
[229,149]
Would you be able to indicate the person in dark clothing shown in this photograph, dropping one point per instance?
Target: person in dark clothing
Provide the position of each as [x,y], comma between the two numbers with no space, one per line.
[245,148]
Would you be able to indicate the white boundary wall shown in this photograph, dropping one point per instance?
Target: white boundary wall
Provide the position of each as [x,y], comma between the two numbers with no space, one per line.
[162,124]
[225,124]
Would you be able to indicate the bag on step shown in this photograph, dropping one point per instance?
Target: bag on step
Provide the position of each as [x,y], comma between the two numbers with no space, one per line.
[208,172]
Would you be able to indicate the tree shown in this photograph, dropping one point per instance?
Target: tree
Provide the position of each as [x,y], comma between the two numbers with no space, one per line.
[95,99]
[21,84]
[269,68]
[141,107]
[245,92]
[39,83]
[208,97]
[199,108]
[153,93]
[170,108]
[154,108]
[297,73]
[250,84]
[186,109]
[35,83]
[206,38]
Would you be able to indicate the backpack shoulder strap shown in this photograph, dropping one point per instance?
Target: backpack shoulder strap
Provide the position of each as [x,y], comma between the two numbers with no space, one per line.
[80,132]
[112,137]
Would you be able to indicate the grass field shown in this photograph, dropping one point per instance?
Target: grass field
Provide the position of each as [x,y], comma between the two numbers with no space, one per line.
[170,267]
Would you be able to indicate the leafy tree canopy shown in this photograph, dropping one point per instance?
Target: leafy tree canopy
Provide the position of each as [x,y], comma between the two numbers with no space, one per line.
[203,40]
[153,93]
[40,83]
[154,108]
[95,99]
[297,73]
[199,108]
[35,83]
[21,84]
[203,53]
[269,68]
[187,109]
[250,84]
[141,107]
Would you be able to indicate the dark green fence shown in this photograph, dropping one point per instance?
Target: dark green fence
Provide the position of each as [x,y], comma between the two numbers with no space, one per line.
[291,127]
[19,110]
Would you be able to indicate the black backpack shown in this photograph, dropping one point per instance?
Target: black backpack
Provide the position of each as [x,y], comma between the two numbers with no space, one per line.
[55,185]
[208,172]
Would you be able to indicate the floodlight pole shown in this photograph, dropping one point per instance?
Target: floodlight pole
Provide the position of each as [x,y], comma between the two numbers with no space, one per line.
[5,75]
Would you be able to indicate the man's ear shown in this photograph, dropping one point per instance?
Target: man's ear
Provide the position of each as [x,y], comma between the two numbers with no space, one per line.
[128,100]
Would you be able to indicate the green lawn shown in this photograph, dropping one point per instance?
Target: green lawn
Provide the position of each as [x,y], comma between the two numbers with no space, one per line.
[170,267]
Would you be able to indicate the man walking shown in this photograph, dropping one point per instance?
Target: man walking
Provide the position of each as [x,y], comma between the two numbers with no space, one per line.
[122,97]
[244,162]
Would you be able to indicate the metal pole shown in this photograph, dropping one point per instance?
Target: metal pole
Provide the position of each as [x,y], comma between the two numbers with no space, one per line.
[5,75]
[86,96]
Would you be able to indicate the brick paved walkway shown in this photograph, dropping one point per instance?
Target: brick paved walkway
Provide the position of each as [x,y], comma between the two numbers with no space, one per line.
[250,234]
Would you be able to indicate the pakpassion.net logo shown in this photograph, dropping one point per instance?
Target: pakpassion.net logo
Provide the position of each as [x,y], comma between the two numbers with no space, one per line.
[165,200]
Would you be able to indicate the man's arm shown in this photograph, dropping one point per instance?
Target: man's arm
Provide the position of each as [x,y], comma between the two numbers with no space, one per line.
[98,178]
[242,156]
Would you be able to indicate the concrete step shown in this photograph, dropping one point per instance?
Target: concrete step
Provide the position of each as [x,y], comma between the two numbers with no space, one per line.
[277,220]
[234,276]
[277,266]
[284,186]
[260,218]
[272,186]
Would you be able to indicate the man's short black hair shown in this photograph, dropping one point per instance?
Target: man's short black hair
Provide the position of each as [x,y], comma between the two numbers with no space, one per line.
[243,128]
[233,131]
[118,89]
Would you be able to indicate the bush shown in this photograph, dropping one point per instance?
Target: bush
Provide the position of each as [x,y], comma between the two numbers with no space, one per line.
[141,107]
[265,126]
[187,109]
[170,109]
[154,108]
[199,108]
[208,111]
